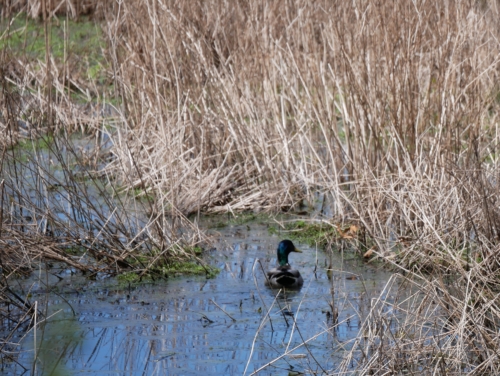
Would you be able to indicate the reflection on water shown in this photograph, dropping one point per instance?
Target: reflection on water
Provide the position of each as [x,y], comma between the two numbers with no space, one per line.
[176,328]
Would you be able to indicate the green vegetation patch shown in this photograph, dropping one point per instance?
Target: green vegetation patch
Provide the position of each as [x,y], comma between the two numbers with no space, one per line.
[76,46]
[241,218]
[75,251]
[322,234]
[42,143]
[26,36]
[129,277]
[196,250]
[141,195]
[311,233]
[168,264]
[189,268]
[170,270]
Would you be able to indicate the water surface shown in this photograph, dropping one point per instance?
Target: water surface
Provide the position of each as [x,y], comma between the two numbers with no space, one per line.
[175,327]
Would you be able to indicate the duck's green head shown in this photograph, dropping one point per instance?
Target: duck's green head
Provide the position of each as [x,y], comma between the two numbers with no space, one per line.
[284,249]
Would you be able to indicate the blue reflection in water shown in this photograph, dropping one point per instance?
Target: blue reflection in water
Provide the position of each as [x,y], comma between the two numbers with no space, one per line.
[174,328]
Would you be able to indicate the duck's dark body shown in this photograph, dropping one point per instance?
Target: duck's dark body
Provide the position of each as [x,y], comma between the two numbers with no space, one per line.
[284,275]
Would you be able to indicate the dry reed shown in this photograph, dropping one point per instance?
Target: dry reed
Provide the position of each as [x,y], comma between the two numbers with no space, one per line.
[389,108]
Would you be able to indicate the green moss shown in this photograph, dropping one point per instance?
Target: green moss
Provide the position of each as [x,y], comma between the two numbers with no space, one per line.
[189,268]
[75,251]
[308,232]
[273,230]
[42,143]
[219,225]
[129,277]
[197,250]
[323,234]
[81,37]
[142,195]
[218,221]
[342,135]
[164,266]
[23,149]
[77,43]
[243,217]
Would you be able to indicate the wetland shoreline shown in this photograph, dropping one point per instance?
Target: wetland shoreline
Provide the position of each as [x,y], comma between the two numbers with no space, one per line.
[387,112]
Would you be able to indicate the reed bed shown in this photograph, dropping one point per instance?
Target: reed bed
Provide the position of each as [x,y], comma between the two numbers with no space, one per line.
[390,109]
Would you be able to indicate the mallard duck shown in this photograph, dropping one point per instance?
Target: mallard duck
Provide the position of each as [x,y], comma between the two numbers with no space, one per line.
[284,275]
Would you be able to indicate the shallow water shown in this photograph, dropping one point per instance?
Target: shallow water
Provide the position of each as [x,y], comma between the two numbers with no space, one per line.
[175,328]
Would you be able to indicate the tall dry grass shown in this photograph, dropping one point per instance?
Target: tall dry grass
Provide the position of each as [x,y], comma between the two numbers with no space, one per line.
[58,204]
[392,110]
[389,108]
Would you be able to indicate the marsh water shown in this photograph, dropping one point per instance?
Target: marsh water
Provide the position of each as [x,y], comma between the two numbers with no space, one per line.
[191,325]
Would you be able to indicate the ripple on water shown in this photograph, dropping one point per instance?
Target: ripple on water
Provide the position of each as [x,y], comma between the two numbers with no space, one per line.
[174,327]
